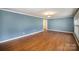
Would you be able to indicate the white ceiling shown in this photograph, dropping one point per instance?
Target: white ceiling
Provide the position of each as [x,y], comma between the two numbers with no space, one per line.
[38,12]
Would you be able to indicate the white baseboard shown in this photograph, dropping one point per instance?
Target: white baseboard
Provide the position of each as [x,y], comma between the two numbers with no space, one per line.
[59,31]
[20,36]
[76,38]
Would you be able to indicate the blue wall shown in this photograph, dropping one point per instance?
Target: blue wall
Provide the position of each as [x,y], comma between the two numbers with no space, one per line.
[61,24]
[14,25]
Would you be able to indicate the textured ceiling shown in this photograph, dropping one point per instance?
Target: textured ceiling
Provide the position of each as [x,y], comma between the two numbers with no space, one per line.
[38,12]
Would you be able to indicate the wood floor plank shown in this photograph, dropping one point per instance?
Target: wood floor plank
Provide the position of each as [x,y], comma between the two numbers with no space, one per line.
[44,41]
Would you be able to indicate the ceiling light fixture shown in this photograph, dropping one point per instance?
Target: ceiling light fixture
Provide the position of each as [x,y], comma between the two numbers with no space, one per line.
[48,13]
[48,16]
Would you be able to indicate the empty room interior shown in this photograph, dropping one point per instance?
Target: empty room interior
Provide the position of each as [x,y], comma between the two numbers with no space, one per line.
[39,29]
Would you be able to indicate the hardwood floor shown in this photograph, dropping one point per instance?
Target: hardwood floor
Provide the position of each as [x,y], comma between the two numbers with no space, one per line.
[44,41]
